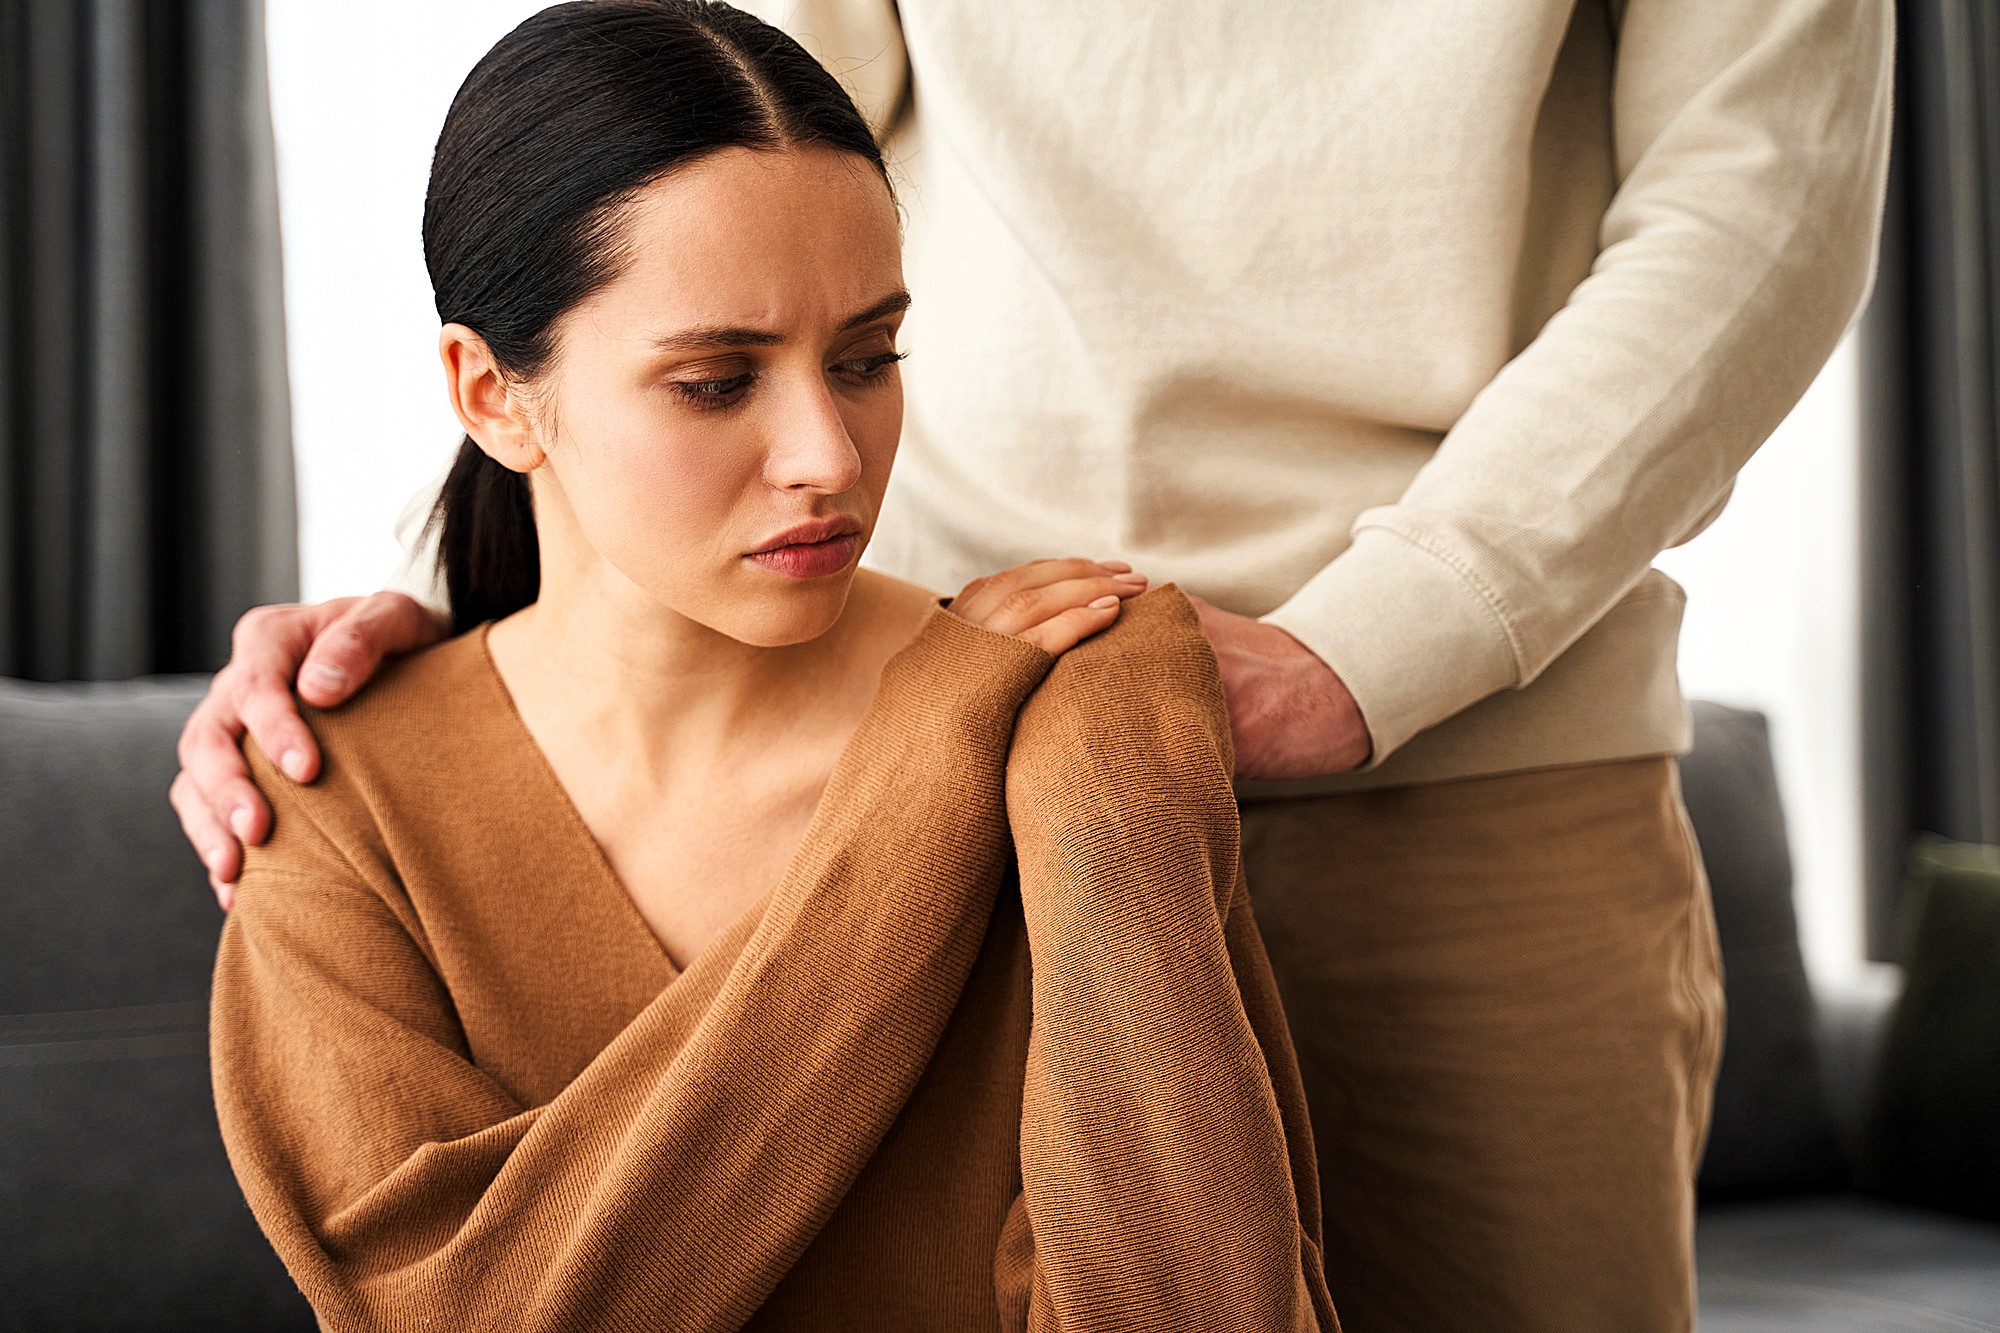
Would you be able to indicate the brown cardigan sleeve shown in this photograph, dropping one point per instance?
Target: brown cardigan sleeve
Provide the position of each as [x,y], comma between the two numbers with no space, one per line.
[404,1188]
[1167,1166]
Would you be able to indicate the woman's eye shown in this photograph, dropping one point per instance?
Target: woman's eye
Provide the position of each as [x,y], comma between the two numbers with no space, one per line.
[871,367]
[711,393]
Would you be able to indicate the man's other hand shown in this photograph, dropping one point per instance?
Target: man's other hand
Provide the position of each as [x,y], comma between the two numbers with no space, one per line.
[1289,714]
[330,649]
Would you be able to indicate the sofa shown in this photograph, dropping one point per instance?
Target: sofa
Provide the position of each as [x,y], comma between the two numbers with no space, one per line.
[1813,1216]
[118,1209]
[117,1206]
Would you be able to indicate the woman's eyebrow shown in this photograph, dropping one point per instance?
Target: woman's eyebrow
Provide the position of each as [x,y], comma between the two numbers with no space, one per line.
[894,302]
[715,335]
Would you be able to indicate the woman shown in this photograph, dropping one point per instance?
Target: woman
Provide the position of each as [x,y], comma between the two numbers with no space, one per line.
[712,933]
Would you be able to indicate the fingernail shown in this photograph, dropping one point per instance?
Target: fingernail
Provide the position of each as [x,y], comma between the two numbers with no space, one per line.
[1109,599]
[1113,564]
[294,764]
[1129,578]
[239,821]
[326,677]
[214,860]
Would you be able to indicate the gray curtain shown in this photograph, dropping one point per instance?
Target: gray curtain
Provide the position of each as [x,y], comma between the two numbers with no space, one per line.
[146,485]
[1931,464]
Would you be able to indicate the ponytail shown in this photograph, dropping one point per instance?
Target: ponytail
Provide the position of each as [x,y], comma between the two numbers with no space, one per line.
[487,546]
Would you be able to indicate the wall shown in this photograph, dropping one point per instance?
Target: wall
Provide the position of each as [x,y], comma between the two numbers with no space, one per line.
[356,115]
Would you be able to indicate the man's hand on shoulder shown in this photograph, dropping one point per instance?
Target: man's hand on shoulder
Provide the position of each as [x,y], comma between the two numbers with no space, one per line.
[330,649]
[1289,714]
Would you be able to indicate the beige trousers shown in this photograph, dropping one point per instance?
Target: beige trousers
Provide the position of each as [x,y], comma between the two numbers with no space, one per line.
[1506,998]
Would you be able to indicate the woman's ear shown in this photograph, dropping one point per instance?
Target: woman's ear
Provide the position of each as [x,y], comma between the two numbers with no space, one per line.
[493,413]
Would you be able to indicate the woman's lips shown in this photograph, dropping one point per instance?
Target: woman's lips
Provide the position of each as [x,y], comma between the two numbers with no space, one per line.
[809,560]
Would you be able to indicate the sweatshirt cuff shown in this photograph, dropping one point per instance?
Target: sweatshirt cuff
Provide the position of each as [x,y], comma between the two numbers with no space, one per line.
[960,674]
[1412,638]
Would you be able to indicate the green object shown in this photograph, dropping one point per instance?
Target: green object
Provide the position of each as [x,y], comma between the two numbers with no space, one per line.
[1933,1132]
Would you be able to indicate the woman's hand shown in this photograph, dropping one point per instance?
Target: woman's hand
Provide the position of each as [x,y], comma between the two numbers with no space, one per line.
[1053,604]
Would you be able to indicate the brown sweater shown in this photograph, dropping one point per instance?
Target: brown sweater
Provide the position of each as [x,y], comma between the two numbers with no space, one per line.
[463,1086]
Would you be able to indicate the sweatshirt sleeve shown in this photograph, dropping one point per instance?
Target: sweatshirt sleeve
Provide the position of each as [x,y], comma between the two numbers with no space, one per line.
[1168,1177]
[1752,143]
[404,1188]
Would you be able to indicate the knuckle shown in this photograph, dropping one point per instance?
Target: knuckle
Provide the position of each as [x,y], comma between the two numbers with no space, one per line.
[344,638]
[255,685]
[195,737]
[195,816]
[241,683]
[253,625]
[1019,602]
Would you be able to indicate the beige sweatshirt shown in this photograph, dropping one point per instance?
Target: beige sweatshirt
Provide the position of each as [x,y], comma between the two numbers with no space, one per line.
[1415,328]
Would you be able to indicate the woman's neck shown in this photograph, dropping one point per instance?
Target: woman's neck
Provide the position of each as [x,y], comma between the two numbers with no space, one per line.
[664,698]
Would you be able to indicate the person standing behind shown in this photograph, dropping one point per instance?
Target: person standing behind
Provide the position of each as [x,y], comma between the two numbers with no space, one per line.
[1406,336]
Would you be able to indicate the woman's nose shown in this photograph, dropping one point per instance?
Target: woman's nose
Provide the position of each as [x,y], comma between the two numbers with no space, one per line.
[811,447]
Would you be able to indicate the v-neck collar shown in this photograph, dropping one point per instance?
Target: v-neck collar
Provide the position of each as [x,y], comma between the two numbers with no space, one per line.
[605,883]
[604,880]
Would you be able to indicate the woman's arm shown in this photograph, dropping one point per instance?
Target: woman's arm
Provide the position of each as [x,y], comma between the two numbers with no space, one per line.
[1167,1167]
[679,1176]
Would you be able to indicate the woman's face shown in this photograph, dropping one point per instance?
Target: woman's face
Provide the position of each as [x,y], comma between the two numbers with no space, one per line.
[735,382]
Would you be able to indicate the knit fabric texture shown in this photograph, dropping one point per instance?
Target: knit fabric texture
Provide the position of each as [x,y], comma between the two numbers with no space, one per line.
[1000,1050]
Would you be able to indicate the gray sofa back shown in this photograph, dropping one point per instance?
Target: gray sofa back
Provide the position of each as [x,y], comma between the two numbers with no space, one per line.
[118,1209]
[1773,1128]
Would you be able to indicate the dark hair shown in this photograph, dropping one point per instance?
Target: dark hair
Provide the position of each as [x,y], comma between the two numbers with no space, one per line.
[551,134]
